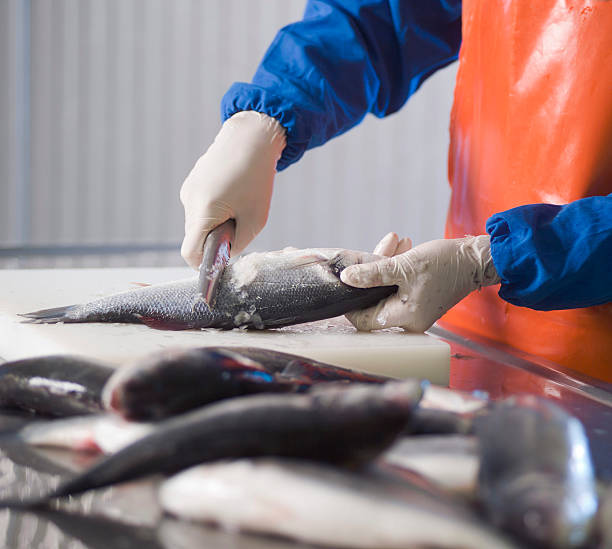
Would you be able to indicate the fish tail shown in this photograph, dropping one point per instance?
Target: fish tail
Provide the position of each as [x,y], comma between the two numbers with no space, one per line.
[50,316]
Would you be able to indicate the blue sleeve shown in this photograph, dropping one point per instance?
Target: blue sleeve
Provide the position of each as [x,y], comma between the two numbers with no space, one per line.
[346,58]
[554,257]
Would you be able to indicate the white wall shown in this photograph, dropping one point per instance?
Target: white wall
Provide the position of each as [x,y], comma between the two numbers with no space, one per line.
[108,103]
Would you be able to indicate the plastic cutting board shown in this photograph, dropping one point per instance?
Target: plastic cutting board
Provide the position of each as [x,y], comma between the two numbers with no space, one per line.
[390,352]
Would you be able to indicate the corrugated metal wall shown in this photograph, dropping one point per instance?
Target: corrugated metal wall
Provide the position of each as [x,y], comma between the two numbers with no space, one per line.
[106,104]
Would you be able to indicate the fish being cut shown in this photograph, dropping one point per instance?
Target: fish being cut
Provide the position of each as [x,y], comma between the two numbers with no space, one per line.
[318,504]
[172,381]
[57,385]
[536,477]
[347,424]
[259,290]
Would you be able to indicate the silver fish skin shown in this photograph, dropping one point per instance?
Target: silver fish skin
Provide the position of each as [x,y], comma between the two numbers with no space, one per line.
[104,433]
[318,504]
[173,381]
[348,425]
[259,290]
[55,385]
[536,478]
[450,461]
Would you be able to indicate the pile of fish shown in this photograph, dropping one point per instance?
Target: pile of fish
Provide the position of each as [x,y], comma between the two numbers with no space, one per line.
[268,442]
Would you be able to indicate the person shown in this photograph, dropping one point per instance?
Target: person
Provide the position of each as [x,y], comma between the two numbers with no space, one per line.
[530,160]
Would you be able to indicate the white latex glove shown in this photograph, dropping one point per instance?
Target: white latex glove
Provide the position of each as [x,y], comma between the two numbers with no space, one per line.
[233,179]
[431,278]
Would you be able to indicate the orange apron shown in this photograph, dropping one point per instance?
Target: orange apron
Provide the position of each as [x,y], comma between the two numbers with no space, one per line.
[531,123]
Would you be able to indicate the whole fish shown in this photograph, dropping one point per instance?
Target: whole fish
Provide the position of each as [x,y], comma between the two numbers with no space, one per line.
[259,290]
[57,385]
[318,504]
[347,424]
[536,476]
[173,381]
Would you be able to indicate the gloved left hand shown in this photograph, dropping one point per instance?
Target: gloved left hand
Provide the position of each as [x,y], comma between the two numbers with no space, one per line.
[431,278]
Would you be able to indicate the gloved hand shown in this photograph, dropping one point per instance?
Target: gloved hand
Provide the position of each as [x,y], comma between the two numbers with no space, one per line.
[431,278]
[233,179]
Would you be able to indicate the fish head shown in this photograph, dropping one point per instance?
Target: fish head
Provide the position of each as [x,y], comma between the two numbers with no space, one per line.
[538,507]
[176,380]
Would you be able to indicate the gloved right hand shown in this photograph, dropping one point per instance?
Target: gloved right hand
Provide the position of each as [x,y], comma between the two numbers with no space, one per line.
[233,179]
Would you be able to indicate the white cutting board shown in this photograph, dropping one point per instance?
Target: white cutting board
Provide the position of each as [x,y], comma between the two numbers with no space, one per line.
[390,352]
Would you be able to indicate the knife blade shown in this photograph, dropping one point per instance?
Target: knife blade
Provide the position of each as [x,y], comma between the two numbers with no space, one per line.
[215,256]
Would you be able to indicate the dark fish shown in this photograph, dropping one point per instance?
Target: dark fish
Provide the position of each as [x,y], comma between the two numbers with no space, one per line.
[347,425]
[536,476]
[59,385]
[173,381]
[440,422]
[259,290]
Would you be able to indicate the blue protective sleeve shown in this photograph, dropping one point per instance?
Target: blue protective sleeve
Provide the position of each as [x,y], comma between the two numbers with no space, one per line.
[346,58]
[554,257]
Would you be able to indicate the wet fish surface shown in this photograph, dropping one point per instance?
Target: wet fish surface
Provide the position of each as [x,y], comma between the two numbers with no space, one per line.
[451,461]
[57,385]
[334,508]
[259,290]
[536,477]
[173,381]
[104,433]
[345,425]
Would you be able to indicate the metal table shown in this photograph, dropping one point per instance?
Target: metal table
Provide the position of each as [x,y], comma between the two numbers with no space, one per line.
[127,516]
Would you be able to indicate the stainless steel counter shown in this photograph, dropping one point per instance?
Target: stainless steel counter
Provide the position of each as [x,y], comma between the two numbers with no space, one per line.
[127,516]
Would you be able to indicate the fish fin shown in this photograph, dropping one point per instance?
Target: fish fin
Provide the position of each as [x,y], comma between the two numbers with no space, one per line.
[311,259]
[163,324]
[48,316]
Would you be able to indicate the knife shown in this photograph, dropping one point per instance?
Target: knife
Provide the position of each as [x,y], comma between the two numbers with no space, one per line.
[215,256]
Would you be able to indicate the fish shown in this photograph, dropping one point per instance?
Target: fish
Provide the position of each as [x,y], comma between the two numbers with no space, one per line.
[451,461]
[55,385]
[536,476]
[347,425]
[173,381]
[318,504]
[104,433]
[258,290]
